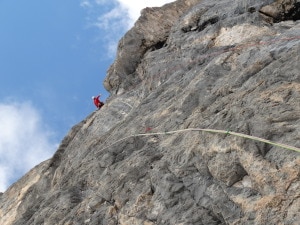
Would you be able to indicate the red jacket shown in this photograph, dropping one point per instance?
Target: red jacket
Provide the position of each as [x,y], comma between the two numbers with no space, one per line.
[97,102]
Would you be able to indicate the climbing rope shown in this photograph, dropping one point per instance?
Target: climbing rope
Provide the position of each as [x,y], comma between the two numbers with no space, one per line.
[227,132]
[214,53]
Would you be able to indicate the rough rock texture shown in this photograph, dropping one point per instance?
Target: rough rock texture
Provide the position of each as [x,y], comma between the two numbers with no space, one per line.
[228,65]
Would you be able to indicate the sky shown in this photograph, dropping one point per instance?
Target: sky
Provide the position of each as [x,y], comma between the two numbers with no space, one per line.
[54,57]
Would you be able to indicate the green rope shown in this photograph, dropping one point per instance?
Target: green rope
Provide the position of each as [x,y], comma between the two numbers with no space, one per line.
[227,132]
[288,147]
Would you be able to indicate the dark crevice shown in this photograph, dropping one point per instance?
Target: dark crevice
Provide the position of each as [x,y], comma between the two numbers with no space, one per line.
[252,9]
[201,26]
[208,22]
[293,13]
[282,13]
[158,45]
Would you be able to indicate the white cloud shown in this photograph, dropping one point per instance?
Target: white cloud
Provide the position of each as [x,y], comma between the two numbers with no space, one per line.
[24,141]
[134,7]
[117,19]
[85,4]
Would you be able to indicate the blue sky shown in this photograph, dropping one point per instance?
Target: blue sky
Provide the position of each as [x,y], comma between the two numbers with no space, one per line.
[54,57]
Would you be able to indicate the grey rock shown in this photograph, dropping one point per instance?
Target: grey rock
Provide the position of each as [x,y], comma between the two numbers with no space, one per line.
[226,65]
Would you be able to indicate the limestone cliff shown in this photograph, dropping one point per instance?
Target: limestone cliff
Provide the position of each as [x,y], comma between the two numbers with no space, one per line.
[217,64]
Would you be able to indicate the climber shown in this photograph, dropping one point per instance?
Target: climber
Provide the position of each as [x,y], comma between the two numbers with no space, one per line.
[97,101]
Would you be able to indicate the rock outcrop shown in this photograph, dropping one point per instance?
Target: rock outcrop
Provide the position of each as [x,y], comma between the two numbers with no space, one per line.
[226,65]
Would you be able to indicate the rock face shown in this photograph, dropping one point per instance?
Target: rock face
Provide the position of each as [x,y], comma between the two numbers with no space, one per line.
[226,65]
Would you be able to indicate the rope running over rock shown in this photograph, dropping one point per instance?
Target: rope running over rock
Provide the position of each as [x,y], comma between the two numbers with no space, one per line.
[288,147]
